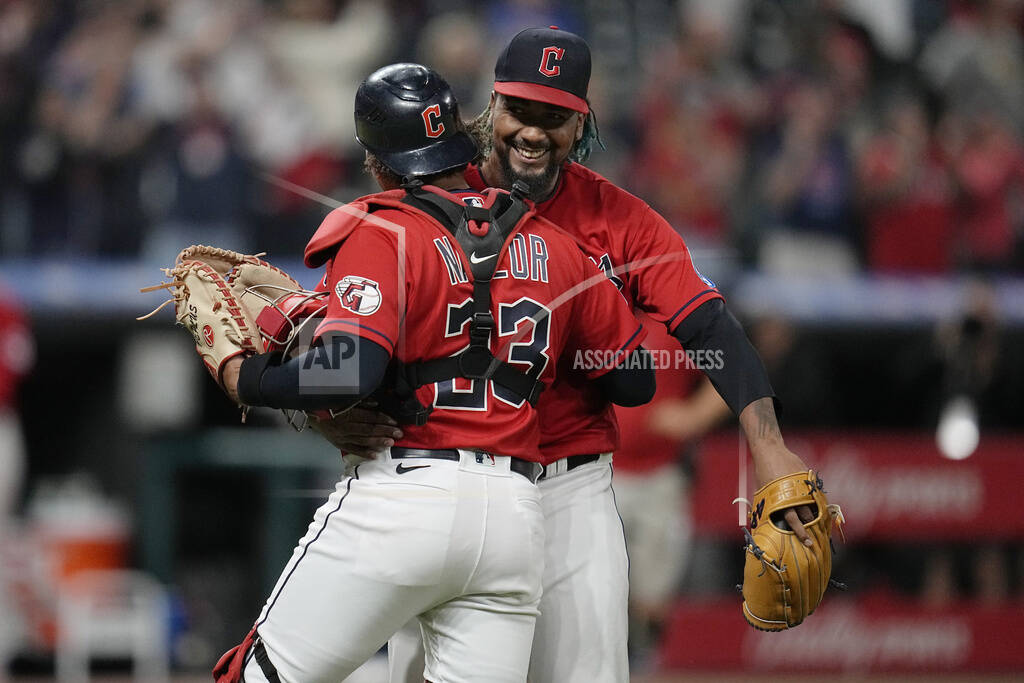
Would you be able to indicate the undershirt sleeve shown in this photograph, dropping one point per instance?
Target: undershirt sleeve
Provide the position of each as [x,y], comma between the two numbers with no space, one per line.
[734,369]
[346,369]
[631,383]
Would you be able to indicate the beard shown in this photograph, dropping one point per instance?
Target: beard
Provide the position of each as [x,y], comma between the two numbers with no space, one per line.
[540,182]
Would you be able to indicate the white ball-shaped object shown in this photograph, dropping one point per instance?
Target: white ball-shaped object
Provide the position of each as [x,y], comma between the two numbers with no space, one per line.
[958,434]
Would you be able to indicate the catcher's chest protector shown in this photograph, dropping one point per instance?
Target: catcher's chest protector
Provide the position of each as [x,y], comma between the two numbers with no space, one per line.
[481,232]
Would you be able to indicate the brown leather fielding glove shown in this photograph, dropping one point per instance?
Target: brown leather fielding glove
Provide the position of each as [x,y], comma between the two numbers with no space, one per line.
[784,580]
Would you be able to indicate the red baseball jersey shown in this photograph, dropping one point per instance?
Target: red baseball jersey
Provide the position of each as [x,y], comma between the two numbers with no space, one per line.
[649,263]
[17,350]
[402,281]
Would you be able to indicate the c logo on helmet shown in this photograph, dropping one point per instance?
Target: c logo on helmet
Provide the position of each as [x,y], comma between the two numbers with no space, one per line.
[434,128]
[551,54]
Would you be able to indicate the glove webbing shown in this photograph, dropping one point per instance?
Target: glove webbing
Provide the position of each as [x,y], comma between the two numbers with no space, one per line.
[757,552]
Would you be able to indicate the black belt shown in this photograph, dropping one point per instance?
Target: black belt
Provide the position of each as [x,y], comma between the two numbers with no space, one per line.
[530,470]
[574,461]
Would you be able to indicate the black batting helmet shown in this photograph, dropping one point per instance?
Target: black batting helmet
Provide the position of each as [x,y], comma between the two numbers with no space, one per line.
[407,117]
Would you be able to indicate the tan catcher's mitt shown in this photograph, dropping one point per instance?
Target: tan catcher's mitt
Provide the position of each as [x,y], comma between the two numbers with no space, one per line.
[218,297]
[784,580]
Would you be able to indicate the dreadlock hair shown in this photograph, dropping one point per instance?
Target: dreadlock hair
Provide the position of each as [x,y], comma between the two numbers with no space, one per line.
[483,133]
[580,152]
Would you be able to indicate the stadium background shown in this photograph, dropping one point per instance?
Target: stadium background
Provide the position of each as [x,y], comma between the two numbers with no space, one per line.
[850,172]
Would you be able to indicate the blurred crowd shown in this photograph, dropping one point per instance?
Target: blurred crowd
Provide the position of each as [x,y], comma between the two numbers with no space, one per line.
[823,135]
[797,136]
[858,133]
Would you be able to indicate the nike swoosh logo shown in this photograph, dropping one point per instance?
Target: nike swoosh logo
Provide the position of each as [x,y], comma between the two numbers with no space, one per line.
[402,468]
[474,259]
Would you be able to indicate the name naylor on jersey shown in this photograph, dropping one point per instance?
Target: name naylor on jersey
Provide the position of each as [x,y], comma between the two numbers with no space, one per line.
[528,259]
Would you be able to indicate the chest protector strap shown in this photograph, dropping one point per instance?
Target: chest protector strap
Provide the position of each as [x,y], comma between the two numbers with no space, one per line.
[481,234]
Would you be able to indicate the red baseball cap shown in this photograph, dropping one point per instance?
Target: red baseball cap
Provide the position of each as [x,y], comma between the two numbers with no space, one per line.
[547,65]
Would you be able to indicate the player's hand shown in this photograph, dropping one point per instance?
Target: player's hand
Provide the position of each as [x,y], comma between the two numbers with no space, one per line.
[672,418]
[230,377]
[690,418]
[361,431]
[778,461]
[772,459]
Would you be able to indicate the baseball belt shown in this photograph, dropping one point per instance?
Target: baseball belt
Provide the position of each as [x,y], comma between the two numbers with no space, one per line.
[531,470]
[568,464]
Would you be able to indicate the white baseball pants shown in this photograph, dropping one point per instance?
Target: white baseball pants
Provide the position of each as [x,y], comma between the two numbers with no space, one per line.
[459,544]
[583,625]
[654,507]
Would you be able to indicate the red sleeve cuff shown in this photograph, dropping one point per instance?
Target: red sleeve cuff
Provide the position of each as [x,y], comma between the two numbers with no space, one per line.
[692,305]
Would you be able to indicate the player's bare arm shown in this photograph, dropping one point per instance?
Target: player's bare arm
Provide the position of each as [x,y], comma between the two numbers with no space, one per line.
[231,369]
[689,418]
[771,457]
[742,382]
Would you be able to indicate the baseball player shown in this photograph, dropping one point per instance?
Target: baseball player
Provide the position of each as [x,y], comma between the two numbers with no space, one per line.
[17,354]
[471,299]
[540,128]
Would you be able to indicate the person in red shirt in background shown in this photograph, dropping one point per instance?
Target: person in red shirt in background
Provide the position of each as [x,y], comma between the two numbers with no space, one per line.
[906,194]
[17,352]
[652,481]
[987,161]
[694,108]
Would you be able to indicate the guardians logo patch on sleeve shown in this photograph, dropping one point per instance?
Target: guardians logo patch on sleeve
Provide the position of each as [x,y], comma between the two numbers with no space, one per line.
[358,294]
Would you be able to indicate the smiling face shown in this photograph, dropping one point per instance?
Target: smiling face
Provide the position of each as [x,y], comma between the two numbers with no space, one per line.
[531,141]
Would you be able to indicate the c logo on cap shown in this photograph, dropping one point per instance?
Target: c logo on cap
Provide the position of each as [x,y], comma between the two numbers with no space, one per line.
[551,54]
[434,128]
